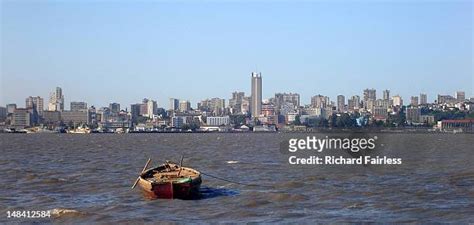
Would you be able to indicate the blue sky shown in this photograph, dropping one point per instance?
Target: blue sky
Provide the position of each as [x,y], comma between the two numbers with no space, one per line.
[123,51]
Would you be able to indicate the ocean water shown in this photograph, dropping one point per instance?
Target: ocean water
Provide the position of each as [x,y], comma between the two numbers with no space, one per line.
[91,175]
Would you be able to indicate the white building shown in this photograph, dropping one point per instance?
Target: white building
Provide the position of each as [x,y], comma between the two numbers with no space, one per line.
[56,100]
[218,120]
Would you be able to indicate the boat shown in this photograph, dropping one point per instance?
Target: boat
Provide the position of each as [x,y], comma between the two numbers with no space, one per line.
[170,181]
[79,130]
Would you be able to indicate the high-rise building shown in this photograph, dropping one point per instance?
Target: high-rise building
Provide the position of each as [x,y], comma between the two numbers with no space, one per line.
[114,107]
[370,94]
[446,99]
[256,98]
[397,100]
[341,103]
[235,103]
[293,98]
[3,113]
[320,101]
[413,115]
[460,96]
[56,100]
[354,103]
[184,106]
[35,103]
[135,111]
[386,95]
[11,108]
[78,106]
[414,100]
[174,104]
[21,118]
[423,99]
[215,106]
[149,108]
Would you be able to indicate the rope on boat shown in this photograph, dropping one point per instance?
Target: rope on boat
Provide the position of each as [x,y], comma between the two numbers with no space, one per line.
[235,182]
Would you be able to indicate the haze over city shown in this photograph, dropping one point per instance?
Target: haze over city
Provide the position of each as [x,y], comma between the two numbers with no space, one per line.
[102,52]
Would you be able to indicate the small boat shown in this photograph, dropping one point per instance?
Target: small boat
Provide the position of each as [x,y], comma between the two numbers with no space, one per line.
[169,181]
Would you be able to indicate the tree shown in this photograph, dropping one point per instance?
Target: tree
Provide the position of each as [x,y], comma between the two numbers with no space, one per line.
[297,120]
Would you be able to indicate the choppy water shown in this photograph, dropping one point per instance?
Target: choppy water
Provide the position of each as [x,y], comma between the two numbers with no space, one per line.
[92,174]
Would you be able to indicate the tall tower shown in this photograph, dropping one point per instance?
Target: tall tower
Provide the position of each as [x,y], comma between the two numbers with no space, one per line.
[256,99]
[56,100]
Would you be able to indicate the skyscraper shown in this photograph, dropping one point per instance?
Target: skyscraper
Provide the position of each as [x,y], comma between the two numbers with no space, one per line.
[369,94]
[397,100]
[414,100]
[423,99]
[56,100]
[341,102]
[174,104]
[460,96]
[35,103]
[386,95]
[114,107]
[256,99]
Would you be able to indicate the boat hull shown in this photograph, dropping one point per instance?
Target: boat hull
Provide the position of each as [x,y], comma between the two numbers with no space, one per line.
[185,190]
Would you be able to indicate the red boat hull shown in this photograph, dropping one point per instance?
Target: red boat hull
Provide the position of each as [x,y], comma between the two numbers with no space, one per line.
[188,190]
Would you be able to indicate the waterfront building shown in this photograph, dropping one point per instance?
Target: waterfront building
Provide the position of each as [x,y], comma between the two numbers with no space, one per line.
[76,117]
[460,96]
[174,104]
[218,120]
[256,98]
[290,117]
[179,121]
[341,103]
[114,107]
[3,113]
[135,111]
[397,100]
[386,95]
[51,117]
[35,103]
[380,112]
[78,106]
[465,125]
[11,108]
[427,119]
[56,100]
[21,118]
[413,115]
[423,99]
[414,101]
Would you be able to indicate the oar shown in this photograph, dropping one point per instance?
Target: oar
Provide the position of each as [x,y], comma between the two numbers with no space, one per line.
[181,164]
[144,168]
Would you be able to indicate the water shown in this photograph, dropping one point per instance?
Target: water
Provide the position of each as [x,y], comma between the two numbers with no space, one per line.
[92,174]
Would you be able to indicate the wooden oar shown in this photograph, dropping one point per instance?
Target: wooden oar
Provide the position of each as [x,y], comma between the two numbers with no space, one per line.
[144,168]
[181,164]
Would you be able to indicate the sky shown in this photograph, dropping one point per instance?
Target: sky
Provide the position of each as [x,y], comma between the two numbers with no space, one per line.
[123,51]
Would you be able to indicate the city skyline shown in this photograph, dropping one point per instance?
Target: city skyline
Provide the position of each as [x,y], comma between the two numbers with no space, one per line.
[171,50]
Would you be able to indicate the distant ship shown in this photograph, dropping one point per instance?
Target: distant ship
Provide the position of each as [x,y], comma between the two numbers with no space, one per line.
[79,130]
